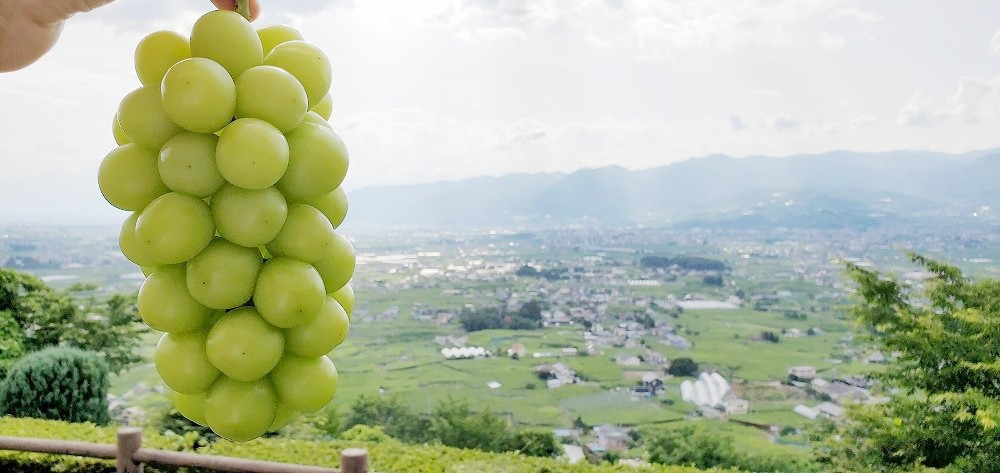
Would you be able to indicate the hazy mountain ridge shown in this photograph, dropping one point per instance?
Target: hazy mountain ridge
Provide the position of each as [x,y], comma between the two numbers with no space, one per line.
[830,190]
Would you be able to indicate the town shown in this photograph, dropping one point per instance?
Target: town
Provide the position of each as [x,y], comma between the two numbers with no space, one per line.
[592,333]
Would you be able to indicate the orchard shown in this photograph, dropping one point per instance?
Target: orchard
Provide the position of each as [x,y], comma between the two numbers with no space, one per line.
[233,179]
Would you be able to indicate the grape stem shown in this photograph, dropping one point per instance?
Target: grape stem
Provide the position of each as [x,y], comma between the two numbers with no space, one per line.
[243,8]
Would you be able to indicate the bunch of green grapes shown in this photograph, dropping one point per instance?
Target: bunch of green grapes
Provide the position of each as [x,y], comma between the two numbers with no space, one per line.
[233,177]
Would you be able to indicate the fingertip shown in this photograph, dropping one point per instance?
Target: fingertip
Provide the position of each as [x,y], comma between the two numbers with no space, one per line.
[254,10]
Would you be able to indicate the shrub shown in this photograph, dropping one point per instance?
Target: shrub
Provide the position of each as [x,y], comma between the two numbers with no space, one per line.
[683,367]
[537,443]
[57,383]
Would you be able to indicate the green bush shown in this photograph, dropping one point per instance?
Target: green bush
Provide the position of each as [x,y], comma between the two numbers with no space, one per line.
[537,443]
[11,342]
[59,384]
[386,456]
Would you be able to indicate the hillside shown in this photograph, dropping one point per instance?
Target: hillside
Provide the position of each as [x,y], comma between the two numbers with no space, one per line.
[830,190]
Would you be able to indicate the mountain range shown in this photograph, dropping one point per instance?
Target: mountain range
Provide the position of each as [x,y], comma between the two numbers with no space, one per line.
[839,189]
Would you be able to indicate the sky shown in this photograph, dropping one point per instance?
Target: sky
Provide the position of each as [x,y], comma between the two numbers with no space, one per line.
[436,90]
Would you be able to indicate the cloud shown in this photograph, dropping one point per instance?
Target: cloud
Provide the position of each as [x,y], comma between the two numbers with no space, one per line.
[918,112]
[765,92]
[832,41]
[862,122]
[977,99]
[652,29]
[995,43]
[736,123]
[493,34]
[782,123]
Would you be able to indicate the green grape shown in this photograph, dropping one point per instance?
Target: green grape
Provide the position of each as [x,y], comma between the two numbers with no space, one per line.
[345,296]
[306,384]
[223,275]
[128,177]
[313,117]
[191,406]
[337,265]
[142,118]
[182,363]
[147,270]
[282,417]
[273,35]
[288,292]
[305,236]
[156,53]
[166,305]
[175,227]
[187,164]
[325,107]
[252,153]
[317,163]
[120,137]
[307,63]
[130,245]
[333,206]
[199,95]
[248,217]
[326,330]
[240,410]
[271,94]
[244,346]
[228,39]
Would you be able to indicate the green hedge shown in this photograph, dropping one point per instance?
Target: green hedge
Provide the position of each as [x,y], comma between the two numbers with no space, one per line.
[386,454]
[21,462]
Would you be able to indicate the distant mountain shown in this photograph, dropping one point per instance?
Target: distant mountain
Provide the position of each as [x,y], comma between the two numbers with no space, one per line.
[839,189]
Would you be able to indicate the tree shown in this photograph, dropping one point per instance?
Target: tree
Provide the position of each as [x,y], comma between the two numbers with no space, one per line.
[769,337]
[455,424]
[946,411]
[702,449]
[57,383]
[536,443]
[712,280]
[395,419]
[683,367]
[111,327]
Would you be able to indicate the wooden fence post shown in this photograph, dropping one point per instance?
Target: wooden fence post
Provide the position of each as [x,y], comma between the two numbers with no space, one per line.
[129,441]
[354,460]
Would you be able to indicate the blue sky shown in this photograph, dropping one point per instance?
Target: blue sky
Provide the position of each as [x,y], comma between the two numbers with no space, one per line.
[449,89]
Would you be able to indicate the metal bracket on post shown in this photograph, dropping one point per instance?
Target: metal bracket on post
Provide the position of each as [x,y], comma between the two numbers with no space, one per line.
[129,441]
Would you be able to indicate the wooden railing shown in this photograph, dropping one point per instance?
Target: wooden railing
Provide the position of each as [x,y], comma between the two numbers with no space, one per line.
[130,456]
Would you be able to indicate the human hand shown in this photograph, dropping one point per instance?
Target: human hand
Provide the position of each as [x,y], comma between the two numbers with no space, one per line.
[29,28]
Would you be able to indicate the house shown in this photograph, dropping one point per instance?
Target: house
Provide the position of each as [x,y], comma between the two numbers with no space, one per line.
[805,411]
[829,410]
[736,406]
[841,392]
[802,372]
[876,358]
[517,348]
[628,360]
[611,437]
[574,453]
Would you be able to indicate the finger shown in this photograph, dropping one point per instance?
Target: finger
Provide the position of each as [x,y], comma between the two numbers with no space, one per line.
[231,5]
